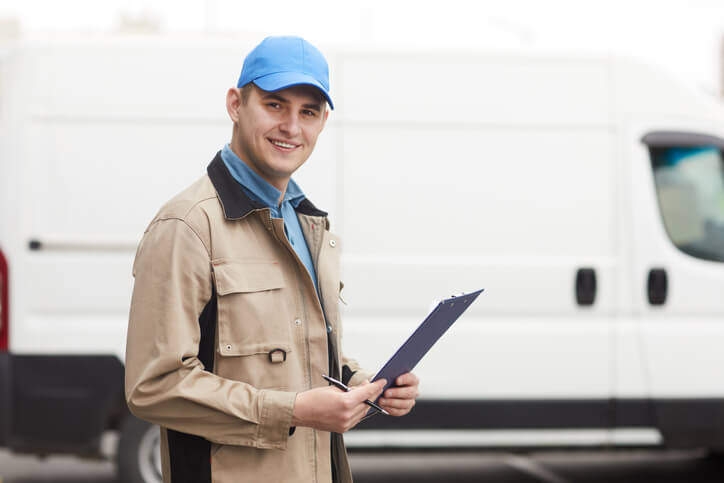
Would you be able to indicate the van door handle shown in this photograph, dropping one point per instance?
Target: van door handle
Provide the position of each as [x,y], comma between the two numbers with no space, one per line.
[585,286]
[657,286]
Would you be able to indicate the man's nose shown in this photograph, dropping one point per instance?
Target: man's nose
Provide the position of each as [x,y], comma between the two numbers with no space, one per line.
[290,124]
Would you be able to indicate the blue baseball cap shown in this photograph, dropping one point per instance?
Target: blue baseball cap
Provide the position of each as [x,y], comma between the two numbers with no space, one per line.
[281,62]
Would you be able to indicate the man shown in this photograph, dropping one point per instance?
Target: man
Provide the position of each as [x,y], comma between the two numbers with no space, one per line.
[235,315]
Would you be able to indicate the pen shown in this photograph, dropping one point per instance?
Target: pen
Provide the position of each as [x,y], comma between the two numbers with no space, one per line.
[346,388]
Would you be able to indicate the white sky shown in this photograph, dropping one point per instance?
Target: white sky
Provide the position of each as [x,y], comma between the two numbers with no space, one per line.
[682,36]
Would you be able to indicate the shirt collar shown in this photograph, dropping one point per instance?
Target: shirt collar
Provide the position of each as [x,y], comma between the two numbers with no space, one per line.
[236,203]
[257,186]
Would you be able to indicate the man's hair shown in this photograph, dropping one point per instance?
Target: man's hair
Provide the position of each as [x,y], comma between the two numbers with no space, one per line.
[246,92]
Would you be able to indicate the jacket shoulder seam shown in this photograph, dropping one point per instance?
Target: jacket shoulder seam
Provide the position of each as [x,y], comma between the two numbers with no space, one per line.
[196,204]
[189,226]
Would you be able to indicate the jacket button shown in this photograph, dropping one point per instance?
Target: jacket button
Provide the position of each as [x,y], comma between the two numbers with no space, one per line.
[228,347]
[333,243]
[329,329]
[298,322]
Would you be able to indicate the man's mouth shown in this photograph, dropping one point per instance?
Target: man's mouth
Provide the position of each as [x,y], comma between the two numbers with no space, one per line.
[283,145]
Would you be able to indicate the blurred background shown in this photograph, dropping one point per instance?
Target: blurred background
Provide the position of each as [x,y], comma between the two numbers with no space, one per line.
[582,140]
[684,37]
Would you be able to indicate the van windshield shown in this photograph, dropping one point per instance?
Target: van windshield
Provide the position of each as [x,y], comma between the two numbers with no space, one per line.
[690,189]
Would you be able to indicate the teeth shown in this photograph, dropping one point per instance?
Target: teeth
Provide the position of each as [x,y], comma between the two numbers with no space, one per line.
[283,145]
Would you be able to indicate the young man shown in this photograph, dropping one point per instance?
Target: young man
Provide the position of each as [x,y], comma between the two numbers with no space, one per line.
[235,315]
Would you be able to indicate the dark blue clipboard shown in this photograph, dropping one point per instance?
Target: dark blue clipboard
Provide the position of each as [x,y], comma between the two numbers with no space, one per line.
[427,333]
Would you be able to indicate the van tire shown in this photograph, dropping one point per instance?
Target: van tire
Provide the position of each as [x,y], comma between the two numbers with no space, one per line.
[138,458]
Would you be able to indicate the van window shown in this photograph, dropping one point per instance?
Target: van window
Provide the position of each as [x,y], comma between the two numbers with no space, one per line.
[690,190]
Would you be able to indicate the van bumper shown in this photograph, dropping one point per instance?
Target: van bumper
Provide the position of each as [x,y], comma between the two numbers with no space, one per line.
[59,403]
[5,397]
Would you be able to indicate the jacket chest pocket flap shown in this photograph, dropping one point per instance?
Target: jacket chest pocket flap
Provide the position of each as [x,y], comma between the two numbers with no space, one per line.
[254,313]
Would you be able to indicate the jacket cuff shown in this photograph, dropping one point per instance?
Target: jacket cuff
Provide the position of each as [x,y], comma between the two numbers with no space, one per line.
[276,419]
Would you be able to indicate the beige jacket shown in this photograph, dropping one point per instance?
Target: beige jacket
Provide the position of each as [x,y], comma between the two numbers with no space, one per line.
[225,328]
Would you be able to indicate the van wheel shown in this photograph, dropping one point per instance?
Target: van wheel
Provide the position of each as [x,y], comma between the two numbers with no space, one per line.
[139,452]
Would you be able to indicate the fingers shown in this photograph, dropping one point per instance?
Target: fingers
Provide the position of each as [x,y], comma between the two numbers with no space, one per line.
[397,407]
[407,387]
[362,411]
[368,391]
[355,400]
[398,401]
[330,409]
[407,379]
[391,396]
[356,397]
[407,392]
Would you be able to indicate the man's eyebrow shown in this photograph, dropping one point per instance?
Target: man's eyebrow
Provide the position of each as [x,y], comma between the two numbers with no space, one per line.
[316,107]
[276,97]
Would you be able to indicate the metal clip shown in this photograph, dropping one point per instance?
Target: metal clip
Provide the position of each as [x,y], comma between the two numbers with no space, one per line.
[278,355]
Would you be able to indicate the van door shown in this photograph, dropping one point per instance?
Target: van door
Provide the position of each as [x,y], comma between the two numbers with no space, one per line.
[678,229]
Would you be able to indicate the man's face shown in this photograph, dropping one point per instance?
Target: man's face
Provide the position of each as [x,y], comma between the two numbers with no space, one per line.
[276,132]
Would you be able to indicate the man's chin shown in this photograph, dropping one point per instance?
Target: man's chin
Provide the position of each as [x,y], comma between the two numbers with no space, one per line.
[285,166]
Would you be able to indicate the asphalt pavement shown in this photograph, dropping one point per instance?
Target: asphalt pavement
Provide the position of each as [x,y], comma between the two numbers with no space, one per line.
[632,466]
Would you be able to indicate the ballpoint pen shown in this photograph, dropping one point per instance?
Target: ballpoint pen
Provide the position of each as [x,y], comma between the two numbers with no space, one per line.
[346,388]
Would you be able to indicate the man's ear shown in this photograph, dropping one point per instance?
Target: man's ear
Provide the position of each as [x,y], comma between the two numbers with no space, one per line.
[233,101]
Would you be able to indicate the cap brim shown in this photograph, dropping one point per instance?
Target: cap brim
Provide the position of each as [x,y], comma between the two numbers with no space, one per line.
[282,80]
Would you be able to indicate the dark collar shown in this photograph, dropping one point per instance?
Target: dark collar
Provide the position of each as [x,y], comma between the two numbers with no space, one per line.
[233,199]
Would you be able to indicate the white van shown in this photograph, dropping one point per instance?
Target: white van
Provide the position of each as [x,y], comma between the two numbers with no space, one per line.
[585,194]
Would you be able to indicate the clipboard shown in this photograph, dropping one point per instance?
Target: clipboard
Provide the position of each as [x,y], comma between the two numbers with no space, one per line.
[437,322]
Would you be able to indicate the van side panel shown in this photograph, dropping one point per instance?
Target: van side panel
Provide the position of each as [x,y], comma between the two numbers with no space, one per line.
[103,148]
[502,179]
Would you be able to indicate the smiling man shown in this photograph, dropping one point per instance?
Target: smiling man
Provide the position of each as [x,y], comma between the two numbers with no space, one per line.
[235,314]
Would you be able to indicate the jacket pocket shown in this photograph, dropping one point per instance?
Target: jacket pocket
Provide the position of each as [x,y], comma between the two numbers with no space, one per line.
[254,322]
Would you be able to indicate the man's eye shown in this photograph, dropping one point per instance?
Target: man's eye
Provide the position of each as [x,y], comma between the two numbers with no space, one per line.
[274,105]
[309,113]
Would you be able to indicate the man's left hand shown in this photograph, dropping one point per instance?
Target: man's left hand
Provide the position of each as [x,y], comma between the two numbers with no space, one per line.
[400,400]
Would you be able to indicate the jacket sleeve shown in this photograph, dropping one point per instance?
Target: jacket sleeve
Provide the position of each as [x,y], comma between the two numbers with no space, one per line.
[166,383]
[359,375]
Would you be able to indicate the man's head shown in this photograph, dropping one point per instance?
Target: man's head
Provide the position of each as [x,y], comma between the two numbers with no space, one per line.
[279,107]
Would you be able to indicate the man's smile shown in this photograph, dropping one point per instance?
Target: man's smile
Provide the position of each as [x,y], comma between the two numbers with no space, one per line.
[283,145]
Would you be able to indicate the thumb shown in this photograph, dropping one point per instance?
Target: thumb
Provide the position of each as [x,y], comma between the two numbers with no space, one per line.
[372,390]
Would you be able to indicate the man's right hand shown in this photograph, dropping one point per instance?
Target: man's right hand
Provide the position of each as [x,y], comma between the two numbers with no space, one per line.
[331,409]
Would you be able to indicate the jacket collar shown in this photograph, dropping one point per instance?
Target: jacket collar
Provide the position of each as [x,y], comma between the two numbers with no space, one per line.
[234,201]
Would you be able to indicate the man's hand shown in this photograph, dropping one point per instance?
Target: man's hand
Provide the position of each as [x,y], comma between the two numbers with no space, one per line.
[399,400]
[331,409]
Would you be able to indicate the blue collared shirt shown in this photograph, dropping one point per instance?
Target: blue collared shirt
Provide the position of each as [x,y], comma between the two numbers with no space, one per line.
[260,190]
